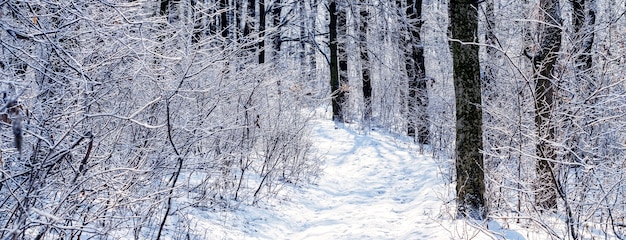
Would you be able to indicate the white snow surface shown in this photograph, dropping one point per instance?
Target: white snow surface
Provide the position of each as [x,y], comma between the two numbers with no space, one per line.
[374,185]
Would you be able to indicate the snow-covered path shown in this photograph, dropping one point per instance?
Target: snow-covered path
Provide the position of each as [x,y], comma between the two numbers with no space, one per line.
[373,187]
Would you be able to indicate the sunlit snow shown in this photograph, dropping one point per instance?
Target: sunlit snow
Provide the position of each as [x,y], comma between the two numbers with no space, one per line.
[374,185]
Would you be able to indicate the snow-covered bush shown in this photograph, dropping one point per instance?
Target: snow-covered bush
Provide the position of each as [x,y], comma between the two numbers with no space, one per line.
[130,119]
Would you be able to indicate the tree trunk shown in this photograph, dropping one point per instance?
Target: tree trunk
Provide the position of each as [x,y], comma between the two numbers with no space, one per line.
[237,20]
[164,8]
[276,38]
[544,59]
[365,62]
[261,31]
[249,18]
[303,37]
[342,56]
[418,93]
[224,18]
[334,66]
[247,38]
[470,185]
[583,19]
[313,32]
[276,21]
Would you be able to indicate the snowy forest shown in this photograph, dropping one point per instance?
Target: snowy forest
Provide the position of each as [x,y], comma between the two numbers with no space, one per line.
[117,116]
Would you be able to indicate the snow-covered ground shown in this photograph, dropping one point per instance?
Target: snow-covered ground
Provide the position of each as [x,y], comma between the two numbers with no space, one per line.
[373,186]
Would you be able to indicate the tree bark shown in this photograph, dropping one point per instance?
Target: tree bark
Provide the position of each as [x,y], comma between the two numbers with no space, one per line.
[164,7]
[249,18]
[276,38]
[583,20]
[470,185]
[342,56]
[261,31]
[365,62]
[544,59]
[418,125]
[276,21]
[224,18]
[303,37]
[334,66]
[312,33]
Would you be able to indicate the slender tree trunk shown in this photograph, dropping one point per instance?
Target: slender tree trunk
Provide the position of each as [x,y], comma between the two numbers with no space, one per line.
[165,10]
[334,65]
[342,56]
[470,185]
[583,20]
[237,20]
[303,37]
[224,18]
[312,33]
[418,125]
[276,38]
[276,22]
[261,31]
[406,53]
[249,18]
[164,7]
[544,58]
[365,62]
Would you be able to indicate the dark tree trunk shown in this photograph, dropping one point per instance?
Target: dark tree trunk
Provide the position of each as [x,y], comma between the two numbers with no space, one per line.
[276,37]
[470,185]
[170,10]
[342,56]
[224,18]
[238,20]
[247,38]
[334,65]
[583,20]
[276,22]
[365,62]
[544,59]
[164,8]
[261,31]
[418,125]
[249,18]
